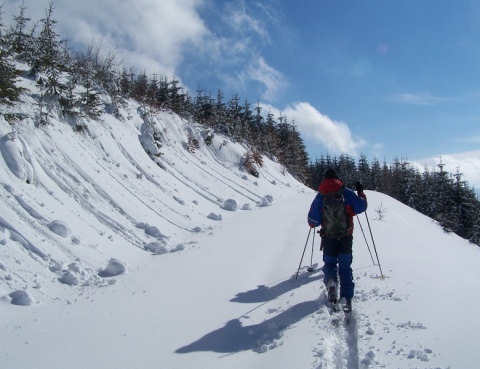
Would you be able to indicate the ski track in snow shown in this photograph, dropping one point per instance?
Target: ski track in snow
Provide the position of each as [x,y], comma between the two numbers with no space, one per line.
[338,346]
[341,345]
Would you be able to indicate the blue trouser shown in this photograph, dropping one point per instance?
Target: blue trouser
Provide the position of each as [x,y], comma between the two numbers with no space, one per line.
[337,258]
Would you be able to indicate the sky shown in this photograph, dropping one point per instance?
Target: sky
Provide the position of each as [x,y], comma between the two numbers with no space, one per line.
[388,79]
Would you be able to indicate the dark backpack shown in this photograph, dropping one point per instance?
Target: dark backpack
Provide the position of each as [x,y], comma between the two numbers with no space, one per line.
[335,218]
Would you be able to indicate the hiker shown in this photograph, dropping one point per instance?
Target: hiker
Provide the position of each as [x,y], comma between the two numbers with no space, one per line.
[333,208]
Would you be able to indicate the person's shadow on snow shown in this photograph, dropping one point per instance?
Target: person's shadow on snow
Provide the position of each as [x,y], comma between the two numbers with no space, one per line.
[265,293]
[235,337]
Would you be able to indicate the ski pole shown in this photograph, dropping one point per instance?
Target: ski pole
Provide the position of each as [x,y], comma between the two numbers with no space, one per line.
[310,269]
[374,247]
[365,237]
[298,271]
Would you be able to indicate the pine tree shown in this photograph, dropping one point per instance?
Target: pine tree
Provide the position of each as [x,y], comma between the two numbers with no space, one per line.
[152,94]
[246,122]
[257,126]
[346,169]
[219,111]
[269,142]
[90,101]
[176,98]
[234,118]
[426,203]
[9,92]
[126,83]
[364,172]
[21,41]
[48,55]
[375,182]
[204,110]
[298,160]
[140,88]
[69,101]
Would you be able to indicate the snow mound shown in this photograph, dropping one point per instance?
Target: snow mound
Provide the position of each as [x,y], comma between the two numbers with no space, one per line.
[15,155]
[60,227]
[157,248]
[152,231]
[114,268]
[266,201]
[214,216]
[230,205]
[78,275]
[246,206]
[21,298]
[147,139]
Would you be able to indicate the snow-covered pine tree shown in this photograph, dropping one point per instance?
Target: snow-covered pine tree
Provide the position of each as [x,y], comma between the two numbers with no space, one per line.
[9,92]
[47,57]
[22,42]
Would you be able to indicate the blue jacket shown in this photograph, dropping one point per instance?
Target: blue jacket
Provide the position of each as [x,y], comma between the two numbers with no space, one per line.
[354,204]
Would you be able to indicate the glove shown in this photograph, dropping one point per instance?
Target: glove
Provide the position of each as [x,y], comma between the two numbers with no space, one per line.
[359,187]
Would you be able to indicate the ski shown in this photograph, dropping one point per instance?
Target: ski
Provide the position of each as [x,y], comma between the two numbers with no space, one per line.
[338,314]
[338,309]
[335,314]
[347,318]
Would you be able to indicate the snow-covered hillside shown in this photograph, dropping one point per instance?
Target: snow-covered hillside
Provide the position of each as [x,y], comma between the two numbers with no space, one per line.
[111,260]
[74,200]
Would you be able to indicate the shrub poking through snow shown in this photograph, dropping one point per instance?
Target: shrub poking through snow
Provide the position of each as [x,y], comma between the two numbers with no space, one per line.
[252,160]
[192,145]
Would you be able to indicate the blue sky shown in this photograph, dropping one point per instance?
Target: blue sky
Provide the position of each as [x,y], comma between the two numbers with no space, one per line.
[385,78]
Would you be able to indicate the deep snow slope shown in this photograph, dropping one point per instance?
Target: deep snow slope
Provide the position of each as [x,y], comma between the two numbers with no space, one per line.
[72,201]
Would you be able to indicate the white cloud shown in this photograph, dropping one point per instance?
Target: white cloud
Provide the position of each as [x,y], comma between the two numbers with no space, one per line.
[238,18]
[468,163]
[334,136]
[151,35]
[155,36]
[273,80]
[474,139]
[419,99]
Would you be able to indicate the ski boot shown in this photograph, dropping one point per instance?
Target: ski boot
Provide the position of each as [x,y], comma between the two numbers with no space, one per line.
[332,291]
[347,306]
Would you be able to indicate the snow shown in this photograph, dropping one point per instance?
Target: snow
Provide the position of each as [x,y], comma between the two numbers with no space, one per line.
[111,259]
